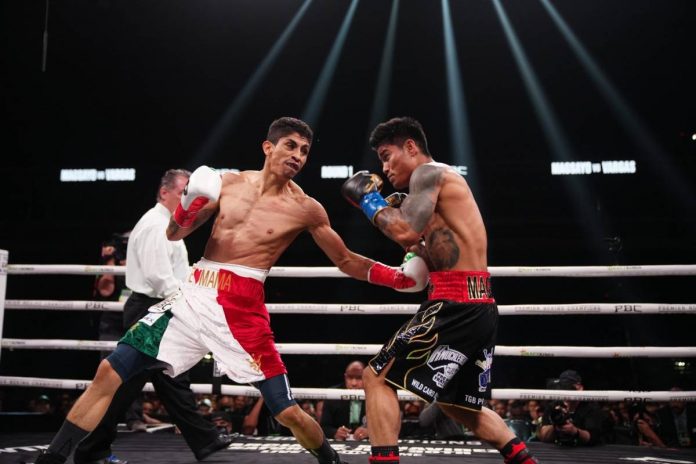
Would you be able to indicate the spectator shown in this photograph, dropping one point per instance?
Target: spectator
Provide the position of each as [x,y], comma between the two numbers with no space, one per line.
[622,431]
[536,413]
[205,407]
[345,419]
[442,426]
[237,410]
[41,405]
[571,423]
[646,424]
[261,422]
[499,407]
[110,287]
[410,419]
[308,407]
[518,420]
[677,424]
[149,412]
[221,420]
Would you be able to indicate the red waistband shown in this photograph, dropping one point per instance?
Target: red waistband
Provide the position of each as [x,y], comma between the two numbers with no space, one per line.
[227,282]
[464,286]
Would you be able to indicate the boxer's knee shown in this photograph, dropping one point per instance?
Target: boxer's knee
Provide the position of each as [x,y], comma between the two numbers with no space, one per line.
[106,379]
[371,380]
[292,417]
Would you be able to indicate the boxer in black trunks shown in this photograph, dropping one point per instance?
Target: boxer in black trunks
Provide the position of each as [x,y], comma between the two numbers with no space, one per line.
[445,352]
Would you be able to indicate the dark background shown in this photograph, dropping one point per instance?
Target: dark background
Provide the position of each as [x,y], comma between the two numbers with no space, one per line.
[142,84]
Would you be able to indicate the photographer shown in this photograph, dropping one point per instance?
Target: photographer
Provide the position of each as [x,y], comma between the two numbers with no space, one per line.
[571,423]
[110,287]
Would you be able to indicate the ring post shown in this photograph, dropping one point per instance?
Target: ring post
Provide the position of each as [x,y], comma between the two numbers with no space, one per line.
[3,286]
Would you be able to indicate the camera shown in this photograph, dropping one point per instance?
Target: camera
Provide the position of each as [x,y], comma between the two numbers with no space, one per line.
[558,413]
[120,243]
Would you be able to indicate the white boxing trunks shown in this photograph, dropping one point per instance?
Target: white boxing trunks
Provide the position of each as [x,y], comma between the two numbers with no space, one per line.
[219,309]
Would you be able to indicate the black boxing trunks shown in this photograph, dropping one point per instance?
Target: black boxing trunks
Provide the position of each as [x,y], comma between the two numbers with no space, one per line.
[445,352]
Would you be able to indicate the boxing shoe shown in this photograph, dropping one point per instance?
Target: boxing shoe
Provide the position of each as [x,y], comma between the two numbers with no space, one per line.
[222,441]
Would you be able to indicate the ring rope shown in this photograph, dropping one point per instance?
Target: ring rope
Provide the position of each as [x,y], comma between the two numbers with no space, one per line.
[356,349]
[344,394]
[367,309]
[333,272]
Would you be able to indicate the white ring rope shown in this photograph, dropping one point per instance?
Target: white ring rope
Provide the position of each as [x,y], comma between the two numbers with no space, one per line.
[343,394]
[356,349]
[318,271]
[367,309]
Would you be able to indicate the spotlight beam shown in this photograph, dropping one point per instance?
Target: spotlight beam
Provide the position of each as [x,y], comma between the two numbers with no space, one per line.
[460,133]
[636,129]
[241,101]
[381,100]
[551,129]
[315,105]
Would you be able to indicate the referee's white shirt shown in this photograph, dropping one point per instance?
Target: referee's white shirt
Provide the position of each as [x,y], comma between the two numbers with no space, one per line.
[155,266]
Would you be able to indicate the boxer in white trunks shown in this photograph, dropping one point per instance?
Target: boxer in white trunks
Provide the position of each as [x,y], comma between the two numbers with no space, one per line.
[220,309]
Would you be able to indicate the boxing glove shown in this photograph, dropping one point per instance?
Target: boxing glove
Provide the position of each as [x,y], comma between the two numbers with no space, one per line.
[203,185]
[362,191]
[395,199]
[411,276]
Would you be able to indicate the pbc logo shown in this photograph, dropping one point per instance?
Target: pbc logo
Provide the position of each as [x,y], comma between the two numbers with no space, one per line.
[627,308]
[637,400]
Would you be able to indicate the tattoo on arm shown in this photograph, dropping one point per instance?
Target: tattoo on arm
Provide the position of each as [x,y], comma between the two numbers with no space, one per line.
[424,188]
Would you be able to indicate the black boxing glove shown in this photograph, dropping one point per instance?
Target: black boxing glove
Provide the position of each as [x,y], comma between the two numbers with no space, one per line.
[362,191]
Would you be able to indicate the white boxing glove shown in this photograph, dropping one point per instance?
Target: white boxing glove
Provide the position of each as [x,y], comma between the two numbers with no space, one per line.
[411,276]
[414,267]
[203,186]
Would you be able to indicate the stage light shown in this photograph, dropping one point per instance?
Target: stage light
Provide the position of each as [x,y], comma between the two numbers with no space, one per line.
[312,111]
[244,97]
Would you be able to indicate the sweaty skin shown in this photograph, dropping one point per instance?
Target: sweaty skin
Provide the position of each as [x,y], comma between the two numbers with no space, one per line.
[441,209]
[260,213]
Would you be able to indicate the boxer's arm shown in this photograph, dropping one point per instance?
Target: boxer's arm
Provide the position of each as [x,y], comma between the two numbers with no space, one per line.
[406,224]
[176,232]
[199,201]
[412,276]
[334,247]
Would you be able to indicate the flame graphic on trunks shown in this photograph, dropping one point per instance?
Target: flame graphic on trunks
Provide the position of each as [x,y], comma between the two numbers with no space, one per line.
[255,362]
[422,327]
[412,336]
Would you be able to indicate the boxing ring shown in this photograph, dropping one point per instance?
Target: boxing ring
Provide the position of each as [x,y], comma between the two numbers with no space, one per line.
[160,447]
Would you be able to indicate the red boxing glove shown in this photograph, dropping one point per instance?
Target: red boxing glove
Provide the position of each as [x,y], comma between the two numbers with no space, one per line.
[185,217]
[411,276]
[203,185]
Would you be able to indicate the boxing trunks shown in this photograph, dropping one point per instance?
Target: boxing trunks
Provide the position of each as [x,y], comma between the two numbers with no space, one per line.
[219,309]
[445,352]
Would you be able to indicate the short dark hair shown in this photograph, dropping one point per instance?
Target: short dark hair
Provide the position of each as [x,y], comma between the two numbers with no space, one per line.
[397,130]
[168,179]
[286,126]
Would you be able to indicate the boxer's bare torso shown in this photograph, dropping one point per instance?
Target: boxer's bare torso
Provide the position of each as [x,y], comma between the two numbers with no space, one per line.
[255,225]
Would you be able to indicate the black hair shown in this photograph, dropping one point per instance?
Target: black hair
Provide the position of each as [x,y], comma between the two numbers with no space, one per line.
[397,130]
[286,126]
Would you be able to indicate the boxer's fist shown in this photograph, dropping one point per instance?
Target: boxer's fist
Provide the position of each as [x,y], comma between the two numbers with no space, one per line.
[203,186]
[362,190]
[411,276]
